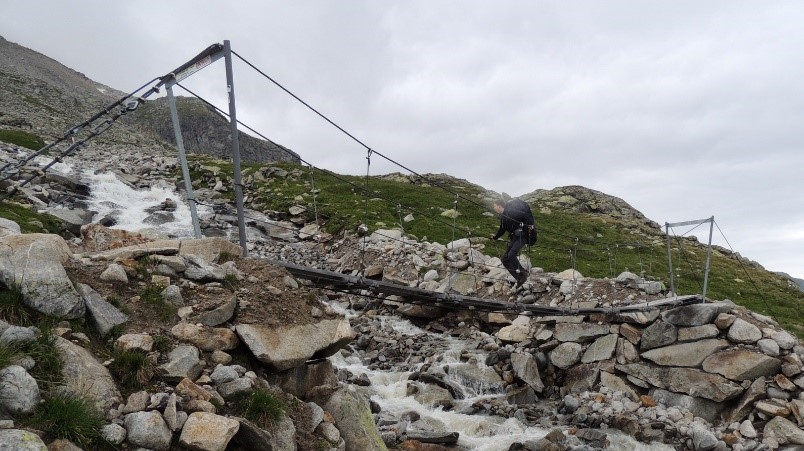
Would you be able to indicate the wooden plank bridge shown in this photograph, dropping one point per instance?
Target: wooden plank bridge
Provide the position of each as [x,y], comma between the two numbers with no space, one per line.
[455,301]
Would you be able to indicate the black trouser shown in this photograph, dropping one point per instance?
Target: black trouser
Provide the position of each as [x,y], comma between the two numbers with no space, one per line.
[511,257]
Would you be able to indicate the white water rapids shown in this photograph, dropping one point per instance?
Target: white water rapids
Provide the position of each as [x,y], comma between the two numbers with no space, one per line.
[111,196]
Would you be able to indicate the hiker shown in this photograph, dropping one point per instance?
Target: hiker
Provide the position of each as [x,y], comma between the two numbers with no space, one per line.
[516,218]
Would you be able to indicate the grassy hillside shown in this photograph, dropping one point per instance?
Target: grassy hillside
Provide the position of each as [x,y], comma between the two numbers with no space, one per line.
[597,245]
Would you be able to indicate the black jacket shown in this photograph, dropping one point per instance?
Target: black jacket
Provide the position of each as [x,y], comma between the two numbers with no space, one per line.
[516,214]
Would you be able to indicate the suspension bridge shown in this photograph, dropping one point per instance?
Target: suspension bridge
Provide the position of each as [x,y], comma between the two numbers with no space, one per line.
[79,136]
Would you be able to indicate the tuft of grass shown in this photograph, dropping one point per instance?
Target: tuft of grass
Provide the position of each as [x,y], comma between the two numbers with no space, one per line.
[22,139]
[162,343]
[44,351]
[132,368]
[260,406]
[8,355]
[29,220]
[69,417]
[230,282]
[152,295]
[12,309]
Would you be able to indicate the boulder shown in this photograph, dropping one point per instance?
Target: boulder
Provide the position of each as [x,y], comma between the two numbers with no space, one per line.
[579,332]
[9,227]
[526,368]
[353,418]
[742,364]
[658,334]
[148,430]
[20,440]
[183,362]
[208,432]
[700,407]
[301,380]
[288,346]
[741,331]
[685,354]
[601,349]
[691,315]
[218,315]
[19,393]
[104,315]
[784,431]
[689,381]
[86,377]
[34,263]
[566,354]
[206,338]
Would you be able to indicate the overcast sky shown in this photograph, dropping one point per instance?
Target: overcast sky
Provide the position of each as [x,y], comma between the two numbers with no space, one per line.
[684,109]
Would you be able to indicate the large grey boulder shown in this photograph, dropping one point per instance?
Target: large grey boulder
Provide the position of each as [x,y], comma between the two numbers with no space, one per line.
[19,440]
[741,331]
[566,354]
[19,393]
[288,346]
[85,376]
[353,418]
[658,334]
[148,430]
[104,315]
[208,432]
[34,263]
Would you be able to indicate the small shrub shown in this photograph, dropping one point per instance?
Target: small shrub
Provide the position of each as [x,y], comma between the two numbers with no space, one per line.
[12,310]
[260,406]
[133,368]
[68,417]
[226,257]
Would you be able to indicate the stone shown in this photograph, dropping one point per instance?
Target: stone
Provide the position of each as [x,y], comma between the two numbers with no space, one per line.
[689,381]
[231,389]
[741,331]
[783,431]
[136,402]
[183,362]
[130,342]
[20,440]
[768,347]
[206,338]
[86,377]
[305,378]
[352,414]
[218,315]
[515,333]
[526,368]
[19,393]
[579,332]
[631,333]
[747,429]
[601,349]
[641,318]
[172,295]
[104,315]
[208,432]
[698,332]
[566,354]
[772,408]
[685,354]
[9,227]
[702,438]
[288,346]
[741,364]
[745,405]
[201,271]
[114,273]
[223,374]
[785,339]
[724,320]
[210,250]
[658,334]
[33,261]
[691,315]
[148,430]
[700,407]
[626,352]
[113,433]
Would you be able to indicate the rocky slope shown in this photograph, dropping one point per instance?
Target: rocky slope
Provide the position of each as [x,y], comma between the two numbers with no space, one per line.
[41,96]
